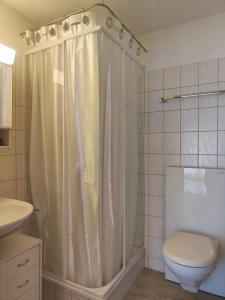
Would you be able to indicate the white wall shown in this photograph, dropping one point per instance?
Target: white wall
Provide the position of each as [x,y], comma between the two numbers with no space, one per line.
[190,42]
[11,25]
[13,158]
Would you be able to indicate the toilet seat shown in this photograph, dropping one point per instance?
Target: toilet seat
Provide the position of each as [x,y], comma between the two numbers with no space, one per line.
[190,250]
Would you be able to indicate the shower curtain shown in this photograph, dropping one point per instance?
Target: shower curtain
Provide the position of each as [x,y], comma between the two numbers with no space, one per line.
[83,156]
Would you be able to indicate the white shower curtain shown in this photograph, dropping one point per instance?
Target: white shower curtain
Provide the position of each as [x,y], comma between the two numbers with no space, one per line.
[78,156]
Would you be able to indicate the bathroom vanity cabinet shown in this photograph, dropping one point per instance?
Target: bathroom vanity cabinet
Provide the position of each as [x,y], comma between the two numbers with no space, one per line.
[20,267]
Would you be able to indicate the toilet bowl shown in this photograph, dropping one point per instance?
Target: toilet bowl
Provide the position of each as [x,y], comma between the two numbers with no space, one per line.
[190,257]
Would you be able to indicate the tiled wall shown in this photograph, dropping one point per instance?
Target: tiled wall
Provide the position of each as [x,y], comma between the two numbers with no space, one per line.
[13,158]
[182,132]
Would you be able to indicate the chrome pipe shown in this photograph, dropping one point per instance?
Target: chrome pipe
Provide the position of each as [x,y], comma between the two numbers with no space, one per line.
[86,9]
[168,98]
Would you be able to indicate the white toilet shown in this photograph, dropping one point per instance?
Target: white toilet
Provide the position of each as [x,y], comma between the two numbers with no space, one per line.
[190,257]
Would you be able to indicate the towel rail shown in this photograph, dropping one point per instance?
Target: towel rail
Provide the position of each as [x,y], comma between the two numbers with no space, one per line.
[169,98]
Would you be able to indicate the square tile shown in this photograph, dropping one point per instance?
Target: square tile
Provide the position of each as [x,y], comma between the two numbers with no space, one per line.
[221,118]
[171,77]
[155,122]
[171,160]
[8,168]
[208,161]
[155,227]
[189,120]
[208,119]
[155,206]
[155,80]
[221,142]
[155,247]
[189,160]
[20,118]
[172,121]
[189,74]
[172,104]
[154,101]
[156,143]
[189,102]
[155,264]
[221,161]
[208,71]
[221,97]
[156,185]
[189,143]
[172,143]
[222,69]
[156,164]
[208,100]
[208,142]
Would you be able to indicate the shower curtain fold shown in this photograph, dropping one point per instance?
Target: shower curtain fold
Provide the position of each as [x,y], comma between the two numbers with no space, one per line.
[83,156]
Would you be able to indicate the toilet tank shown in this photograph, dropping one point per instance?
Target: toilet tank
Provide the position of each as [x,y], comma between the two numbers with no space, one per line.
[195,202]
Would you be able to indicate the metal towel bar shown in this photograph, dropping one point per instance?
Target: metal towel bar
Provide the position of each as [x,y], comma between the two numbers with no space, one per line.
[168,98]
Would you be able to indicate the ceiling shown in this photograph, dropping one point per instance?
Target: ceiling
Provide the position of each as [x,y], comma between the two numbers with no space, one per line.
[140,16]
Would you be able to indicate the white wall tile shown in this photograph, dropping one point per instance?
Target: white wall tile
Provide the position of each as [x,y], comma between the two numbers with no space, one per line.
[171,77]
[221,118]
[155,122]
[156,164]
[208,119]
[189,143]
[221,97]
[156,185]
[155,78]
[155,227]
[156,143]
[190,102]
[208,71]
[172,104]
[221,142]
[222,69]
[172,143]
[8,168]
[172,121]
[155,208]
[208,142]
[189,160]
[221,161]
[208,100]
[155,247]
[189,120]
[171,160]
[154,101]
[155,264]
[208,161]
[189,74]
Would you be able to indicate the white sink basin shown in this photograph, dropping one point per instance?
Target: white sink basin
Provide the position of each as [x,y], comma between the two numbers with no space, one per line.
[12,214]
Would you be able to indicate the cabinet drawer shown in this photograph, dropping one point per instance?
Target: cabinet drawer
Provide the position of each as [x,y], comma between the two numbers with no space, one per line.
[32,294]
[22,284]
[20,264]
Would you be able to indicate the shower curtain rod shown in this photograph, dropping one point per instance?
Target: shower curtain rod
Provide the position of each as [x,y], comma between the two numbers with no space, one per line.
[86,9]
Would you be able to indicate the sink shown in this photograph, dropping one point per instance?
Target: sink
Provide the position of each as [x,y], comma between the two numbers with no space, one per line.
[12,214]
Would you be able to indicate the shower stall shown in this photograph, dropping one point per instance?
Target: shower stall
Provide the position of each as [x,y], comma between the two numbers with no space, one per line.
[85,94]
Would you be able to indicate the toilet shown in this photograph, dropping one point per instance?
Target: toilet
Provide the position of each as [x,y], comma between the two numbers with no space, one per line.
[190,257]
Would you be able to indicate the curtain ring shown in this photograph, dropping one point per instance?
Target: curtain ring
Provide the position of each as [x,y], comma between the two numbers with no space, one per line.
[52,32]
[66,27]
[86,20]
[121,34]
[130,43]
[37,37]
[138,51]
[109,22]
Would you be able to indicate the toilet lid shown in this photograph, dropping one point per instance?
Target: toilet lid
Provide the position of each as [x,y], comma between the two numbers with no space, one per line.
[192,250]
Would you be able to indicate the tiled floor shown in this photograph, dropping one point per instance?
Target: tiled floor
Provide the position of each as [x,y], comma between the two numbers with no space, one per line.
[151,285]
